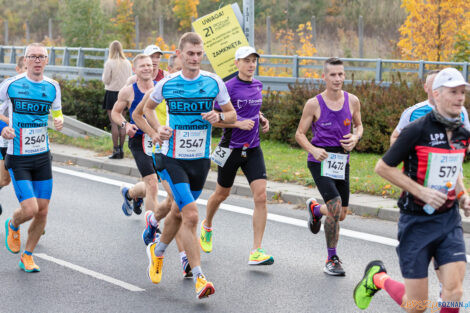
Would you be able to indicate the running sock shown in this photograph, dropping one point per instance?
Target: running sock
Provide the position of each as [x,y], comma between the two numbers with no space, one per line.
[197,271]
[450,310]
[160,248]
[379,279]
[27,252]
[153,220]
[331,252]
[182,256]
[13,227]
[395,289]
[207,228]
[128,197]
[316,211]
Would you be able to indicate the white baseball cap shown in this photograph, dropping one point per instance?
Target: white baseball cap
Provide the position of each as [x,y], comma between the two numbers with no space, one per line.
[149,50]
[245,51]
[449,77]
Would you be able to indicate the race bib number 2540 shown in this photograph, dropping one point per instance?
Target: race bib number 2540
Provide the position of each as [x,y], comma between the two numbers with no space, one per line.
[33,140]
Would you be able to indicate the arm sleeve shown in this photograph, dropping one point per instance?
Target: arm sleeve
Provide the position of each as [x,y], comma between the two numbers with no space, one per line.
[223,96]
[157,94]
[56,108]
[403,146]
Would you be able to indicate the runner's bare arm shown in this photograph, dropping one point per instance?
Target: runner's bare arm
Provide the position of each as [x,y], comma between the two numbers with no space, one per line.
[394,136]
[122,102]
[4,118]
[162,132]
[351,140]
[464,201]
[308,114]
[394,175]
[213,117]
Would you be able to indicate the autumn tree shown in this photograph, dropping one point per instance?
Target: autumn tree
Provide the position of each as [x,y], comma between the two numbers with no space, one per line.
[432,28]
[83,24]
[184,10]
[124,23]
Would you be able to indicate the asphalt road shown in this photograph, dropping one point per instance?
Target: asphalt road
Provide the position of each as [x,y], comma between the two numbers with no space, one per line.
[93,259]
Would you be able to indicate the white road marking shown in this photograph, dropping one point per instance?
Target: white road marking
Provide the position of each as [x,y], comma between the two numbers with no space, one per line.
[88,272]
[236,209]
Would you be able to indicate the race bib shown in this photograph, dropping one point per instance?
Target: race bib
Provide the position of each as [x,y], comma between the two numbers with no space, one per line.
[334,166]
[147,144]
[190,144]
[33,140]
[443,168]
[220,155]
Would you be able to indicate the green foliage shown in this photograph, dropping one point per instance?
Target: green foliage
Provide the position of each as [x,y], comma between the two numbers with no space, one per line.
[462,48]
[83,23]
[124,24]
[84,99]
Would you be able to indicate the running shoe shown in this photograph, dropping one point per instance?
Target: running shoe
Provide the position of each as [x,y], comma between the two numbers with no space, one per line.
[333,267]
[155,264]
[366,288]
[137,205]
[148,235]
[1,209]
[186,268]
[126,205]
[205,240]
[204,288]
[314,222]
[12,238]
[27,264]
[259,257]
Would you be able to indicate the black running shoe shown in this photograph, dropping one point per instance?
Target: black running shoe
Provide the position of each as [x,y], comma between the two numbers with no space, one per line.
[314,223]
[333,267]
[137,205]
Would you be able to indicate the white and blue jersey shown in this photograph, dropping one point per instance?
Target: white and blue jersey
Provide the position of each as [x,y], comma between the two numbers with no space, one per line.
[421,109]
[29,103]
[186,99]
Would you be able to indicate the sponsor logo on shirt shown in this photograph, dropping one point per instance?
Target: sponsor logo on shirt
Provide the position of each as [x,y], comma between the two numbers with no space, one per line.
[347,122]
[437,139]
[182,106]
[29,106]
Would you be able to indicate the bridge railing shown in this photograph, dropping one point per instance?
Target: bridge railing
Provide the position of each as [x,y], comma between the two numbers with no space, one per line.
[275,70]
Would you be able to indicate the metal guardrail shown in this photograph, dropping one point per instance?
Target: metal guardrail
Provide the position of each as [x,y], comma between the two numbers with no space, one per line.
[87,63]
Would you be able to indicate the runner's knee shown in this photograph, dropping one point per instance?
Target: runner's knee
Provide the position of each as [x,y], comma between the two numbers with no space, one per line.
[190,218]
[344,213]
[260,196]
[334,208]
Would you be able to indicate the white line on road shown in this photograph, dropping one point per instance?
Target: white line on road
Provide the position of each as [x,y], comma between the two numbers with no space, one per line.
[91,273]
[236,209]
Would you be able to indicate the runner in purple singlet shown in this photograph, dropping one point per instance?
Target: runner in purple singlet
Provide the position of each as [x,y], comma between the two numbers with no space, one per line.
[330,115]
[240,148]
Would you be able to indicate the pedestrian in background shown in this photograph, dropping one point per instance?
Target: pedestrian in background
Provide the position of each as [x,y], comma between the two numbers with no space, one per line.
[117,69]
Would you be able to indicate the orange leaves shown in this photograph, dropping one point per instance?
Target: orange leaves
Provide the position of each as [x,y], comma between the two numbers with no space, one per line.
[432,28]
[184,10]
[124,22]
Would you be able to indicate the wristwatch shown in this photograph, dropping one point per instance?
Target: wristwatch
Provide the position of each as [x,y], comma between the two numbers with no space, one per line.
[123,124]
[222,116]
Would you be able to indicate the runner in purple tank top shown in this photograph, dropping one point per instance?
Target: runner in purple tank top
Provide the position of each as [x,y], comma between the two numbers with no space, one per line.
[240,148]
[330,115]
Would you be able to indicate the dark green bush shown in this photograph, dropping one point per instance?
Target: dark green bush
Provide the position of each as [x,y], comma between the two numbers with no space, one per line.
[84,99]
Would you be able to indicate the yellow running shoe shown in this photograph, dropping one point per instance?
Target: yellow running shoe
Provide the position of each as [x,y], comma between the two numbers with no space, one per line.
[205,240]
[12,238]
[27,264]
[259,257]
[204,288]
[155,264]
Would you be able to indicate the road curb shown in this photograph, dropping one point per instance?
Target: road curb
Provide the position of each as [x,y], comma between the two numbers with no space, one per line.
[357,208]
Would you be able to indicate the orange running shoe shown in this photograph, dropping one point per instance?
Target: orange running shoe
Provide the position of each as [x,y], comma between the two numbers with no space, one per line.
[27,264]
[12,238]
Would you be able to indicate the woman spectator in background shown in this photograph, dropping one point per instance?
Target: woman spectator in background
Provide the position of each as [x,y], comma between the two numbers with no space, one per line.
[117,69]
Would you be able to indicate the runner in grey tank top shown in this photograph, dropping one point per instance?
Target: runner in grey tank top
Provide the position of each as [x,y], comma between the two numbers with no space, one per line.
[331,116]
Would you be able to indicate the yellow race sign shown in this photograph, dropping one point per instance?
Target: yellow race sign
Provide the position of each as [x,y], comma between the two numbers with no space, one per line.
[222,36]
